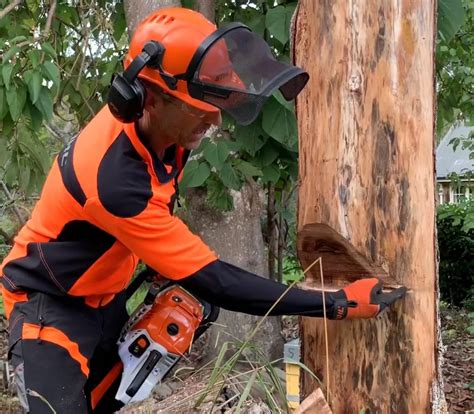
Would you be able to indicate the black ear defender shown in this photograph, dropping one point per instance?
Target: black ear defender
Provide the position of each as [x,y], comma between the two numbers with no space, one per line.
[127,94]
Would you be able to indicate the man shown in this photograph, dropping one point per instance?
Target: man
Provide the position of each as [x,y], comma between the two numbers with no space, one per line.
[108,202]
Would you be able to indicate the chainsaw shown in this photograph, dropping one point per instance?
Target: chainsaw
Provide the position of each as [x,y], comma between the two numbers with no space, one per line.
[158,333]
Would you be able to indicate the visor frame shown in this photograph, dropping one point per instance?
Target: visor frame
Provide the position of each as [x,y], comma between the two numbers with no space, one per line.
[198,89]
[191,71]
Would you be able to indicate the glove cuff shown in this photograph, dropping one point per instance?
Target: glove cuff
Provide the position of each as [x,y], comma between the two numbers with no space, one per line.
[339,306]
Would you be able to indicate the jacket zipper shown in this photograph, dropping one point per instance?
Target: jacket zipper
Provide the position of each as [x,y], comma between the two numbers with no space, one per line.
[40,316]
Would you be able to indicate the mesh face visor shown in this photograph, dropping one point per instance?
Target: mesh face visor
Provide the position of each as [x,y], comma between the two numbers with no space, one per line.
[237,72]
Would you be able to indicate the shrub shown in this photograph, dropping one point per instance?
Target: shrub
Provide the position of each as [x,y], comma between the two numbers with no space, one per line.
[456,246]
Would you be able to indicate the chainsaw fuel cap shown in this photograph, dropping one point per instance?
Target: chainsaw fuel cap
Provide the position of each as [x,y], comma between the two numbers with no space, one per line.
[172,329]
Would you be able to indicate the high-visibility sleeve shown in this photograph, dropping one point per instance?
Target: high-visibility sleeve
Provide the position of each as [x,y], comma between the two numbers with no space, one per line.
[161,240]
[235,289]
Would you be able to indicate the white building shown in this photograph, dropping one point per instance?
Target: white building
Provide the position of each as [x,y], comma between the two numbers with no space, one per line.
[456,162]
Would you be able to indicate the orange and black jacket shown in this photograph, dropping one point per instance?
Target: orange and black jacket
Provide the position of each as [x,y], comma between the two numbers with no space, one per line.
[107,202]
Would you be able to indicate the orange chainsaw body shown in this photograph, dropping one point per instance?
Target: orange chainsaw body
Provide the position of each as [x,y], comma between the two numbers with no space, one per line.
[173,320]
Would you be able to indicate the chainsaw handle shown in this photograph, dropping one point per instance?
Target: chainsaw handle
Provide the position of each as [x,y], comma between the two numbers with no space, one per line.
[146,274]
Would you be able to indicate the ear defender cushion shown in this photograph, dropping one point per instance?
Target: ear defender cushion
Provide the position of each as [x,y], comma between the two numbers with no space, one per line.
[126,100]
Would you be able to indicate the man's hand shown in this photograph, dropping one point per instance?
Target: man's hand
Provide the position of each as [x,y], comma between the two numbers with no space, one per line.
[364,299]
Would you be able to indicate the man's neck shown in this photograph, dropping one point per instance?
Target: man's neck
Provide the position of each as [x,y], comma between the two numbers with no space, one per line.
[153,142]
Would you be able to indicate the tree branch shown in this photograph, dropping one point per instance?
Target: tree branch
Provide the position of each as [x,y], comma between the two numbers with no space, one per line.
[49,20]
[8,239]
[9,8]
[12,199]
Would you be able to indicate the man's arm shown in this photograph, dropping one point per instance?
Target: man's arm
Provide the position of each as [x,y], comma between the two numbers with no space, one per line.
[235,289]
[166,244]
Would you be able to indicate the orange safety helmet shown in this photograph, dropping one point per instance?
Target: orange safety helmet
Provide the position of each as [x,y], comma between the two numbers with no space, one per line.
[181,31]
[230,68]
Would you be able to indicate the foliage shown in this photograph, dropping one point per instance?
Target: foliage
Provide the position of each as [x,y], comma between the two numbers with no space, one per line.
[266,150]
[57,62]
[456,245]
[465,143]
[455,63]
[470,329]
[292,270]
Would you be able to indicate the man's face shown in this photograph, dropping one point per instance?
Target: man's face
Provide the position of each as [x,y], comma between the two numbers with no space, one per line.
[174,121]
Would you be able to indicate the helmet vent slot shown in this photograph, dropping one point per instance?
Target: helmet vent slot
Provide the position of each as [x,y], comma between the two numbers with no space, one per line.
[163,19]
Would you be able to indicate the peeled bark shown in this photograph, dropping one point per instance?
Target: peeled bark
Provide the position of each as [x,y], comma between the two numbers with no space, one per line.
[366,124]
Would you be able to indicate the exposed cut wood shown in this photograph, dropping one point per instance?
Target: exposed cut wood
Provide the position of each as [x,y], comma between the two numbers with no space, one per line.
[366,195]
[315,403]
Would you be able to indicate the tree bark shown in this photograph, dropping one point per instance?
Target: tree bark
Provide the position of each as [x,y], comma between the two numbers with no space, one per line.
[366,196]
[207,8]
[137,10]
[237,237]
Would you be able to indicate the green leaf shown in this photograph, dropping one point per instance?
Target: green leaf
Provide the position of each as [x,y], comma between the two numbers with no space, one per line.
[218,195]
[277,21]
[290,105]
[470,329]
[51,71]
[246,392]
[17,39]
[7,124]
[36,117]
[119,26]
[216,154]
[4,153]
[47,48]
[16,98]
[45,103]
[247,169]
[202,146]
[270,174]
[24,177]
[10,53]
[269,153]
[189,4]
[11,175]
[36,150]
[279,123]
[251,137]
[3,104]
[451,17]
[195,174]
[34,86]
[7,71]
[257,24]
[229,177]
[34,56]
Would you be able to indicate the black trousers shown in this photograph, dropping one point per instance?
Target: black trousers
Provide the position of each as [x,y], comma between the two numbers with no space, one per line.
[61,350]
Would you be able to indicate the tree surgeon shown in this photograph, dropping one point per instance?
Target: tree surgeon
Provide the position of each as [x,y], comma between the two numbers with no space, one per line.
[108,202]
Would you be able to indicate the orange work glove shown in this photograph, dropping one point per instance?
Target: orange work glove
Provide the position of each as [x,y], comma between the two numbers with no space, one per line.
[364,299]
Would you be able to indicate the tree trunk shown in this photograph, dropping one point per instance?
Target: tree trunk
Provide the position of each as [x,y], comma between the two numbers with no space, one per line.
[237,237]
[367,200]
[207,8]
